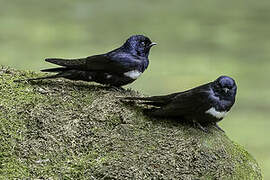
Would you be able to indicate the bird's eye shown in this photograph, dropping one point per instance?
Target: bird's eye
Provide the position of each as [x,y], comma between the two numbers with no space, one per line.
[143,43]
[218,85]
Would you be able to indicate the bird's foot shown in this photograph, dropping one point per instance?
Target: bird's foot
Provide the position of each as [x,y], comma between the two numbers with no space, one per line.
[116,89]
[219,128]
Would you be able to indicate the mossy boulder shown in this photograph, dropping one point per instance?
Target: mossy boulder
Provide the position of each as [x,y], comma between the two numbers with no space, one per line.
[60,129]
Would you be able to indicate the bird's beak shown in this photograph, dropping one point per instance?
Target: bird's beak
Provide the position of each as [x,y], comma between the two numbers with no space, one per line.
[153,44]
[225,90]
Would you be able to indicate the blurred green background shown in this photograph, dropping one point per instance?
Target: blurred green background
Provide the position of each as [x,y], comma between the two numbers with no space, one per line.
[197,42]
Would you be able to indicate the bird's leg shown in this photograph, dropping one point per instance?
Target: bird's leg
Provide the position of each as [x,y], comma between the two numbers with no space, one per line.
[219,128]
[204,129]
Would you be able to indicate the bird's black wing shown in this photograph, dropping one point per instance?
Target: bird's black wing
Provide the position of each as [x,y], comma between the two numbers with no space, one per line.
[166,99]
[187,103]
[116,62]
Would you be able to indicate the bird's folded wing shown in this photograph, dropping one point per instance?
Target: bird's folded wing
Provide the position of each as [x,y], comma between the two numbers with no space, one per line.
[185,103]
[117,63]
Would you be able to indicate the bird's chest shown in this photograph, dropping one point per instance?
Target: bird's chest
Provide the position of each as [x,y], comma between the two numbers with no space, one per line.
[218,110]
[133,74]
[136,73]
[210,115]
[218,114]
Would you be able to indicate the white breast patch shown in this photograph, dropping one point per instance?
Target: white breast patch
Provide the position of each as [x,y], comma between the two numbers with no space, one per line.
[108,76]
[216,113]
[134,74]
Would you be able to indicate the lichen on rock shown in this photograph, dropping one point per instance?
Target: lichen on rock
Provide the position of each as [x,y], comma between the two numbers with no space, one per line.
[60,129]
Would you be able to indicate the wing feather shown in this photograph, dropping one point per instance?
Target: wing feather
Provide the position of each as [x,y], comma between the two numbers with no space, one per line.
[186,103]
[117,62]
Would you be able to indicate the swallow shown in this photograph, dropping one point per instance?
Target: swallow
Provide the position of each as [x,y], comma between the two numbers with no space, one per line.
[116,68]
[202,105]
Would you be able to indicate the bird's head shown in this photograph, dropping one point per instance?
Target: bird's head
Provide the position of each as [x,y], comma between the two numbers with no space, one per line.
[139,45]
[225,87]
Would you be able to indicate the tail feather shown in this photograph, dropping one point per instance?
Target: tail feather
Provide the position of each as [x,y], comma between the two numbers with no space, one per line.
[66,62]
[153,100]
[164,99]
[136,98]
[61,69]
[158,104]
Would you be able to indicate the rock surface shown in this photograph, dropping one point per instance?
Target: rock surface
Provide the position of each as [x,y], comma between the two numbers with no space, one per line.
[59,129]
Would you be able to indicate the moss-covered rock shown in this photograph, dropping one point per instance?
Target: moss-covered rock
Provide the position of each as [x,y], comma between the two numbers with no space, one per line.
[59,129]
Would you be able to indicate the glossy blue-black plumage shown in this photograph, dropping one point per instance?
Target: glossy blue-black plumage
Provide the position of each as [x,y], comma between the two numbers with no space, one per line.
[205,104]
[110,68]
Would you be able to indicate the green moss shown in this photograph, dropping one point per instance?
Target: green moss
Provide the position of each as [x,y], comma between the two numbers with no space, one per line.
[59,129]
[246,166]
